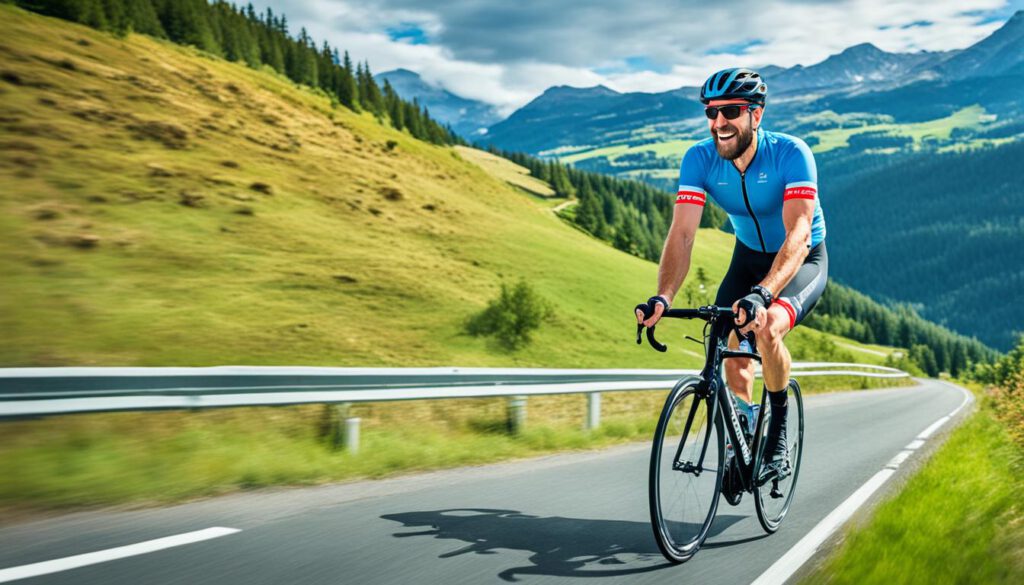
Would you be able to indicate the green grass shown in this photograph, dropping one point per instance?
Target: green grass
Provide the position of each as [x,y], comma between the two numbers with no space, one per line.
[933,130]
[510,172]
[604,151]
[664,149]
[207,457]
[959,520]
[667,174]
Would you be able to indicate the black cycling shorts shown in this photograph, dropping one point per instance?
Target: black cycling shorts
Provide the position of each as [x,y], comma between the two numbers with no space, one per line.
[749,267]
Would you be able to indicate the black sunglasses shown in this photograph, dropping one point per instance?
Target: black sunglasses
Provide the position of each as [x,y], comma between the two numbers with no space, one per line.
[731,111]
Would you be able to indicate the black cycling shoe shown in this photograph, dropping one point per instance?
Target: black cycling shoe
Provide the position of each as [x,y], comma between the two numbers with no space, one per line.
[776,448]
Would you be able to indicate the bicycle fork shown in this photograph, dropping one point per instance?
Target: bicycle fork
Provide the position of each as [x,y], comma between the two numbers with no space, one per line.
[687,466]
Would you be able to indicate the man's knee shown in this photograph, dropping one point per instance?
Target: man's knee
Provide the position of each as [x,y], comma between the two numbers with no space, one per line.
[777,325]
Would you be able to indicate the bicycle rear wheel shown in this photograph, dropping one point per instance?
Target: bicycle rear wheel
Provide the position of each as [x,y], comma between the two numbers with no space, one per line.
[687,465]
[773,493]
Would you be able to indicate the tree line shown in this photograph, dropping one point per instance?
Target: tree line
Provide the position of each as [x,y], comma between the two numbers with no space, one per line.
[259,40]
[940,230]
[844,311]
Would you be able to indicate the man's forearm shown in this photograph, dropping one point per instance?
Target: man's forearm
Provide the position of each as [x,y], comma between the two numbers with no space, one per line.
[788,260]
[675,264]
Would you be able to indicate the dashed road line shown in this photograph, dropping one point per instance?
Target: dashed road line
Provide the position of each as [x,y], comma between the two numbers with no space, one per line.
[111,554]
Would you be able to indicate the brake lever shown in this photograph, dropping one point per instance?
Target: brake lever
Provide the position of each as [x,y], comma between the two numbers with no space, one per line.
[639,331]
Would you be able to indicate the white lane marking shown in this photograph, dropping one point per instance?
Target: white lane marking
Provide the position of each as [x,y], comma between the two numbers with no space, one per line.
[915,444]
[57,565]
[799,554]
[803,550]
[933,427]
[898,459]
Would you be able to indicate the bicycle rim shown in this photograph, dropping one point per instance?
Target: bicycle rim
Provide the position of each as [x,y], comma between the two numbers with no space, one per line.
[772,510]
[683,503]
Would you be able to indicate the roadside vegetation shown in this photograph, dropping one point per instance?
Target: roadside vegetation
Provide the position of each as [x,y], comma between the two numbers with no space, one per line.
[161,457]
[961,518]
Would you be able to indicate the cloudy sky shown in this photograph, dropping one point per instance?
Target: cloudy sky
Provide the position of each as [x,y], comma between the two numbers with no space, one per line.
[507,52]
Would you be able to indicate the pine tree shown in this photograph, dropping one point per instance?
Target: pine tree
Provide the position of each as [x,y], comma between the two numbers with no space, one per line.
[348,91]
[394,106]
[142,18]
[369,93]
[116,17]
[187,22]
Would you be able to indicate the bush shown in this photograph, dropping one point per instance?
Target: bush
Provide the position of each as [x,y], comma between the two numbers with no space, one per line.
[512,317]
[1007,375]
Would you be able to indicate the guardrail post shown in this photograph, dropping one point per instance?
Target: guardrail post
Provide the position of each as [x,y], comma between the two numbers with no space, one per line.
[516,414]
[352,435]
[344,430]
[593,410]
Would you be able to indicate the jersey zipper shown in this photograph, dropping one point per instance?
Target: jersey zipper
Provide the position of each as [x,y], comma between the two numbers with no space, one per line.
[750,210]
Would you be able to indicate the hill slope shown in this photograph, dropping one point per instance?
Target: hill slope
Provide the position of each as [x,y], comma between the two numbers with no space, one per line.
[162,206]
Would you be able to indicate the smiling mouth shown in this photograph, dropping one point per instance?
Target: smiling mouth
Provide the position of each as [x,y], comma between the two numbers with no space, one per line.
[726,136]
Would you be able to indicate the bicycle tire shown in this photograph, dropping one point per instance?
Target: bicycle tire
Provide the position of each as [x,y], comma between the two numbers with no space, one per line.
[673,493]
[771,512]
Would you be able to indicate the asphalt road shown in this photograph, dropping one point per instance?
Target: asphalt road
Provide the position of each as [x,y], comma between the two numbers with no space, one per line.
[546,520]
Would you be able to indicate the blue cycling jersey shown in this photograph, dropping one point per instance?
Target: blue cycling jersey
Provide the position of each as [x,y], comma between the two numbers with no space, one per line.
[782,169]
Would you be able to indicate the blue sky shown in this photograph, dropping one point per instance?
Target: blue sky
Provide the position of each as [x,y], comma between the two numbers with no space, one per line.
[506,53]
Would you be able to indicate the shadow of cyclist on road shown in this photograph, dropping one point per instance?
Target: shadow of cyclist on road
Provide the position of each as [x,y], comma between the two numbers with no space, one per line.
[563,547]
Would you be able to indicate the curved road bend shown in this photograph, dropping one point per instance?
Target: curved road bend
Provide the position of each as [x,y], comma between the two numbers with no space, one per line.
[545,520]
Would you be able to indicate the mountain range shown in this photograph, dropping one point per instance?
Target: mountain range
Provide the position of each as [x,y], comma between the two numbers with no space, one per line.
[469,118]
[863,79]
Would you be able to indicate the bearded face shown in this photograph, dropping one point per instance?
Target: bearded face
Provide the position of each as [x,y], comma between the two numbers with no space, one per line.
[733,138]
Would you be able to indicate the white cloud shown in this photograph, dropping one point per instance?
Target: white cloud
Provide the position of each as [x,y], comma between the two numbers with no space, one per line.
[507,53]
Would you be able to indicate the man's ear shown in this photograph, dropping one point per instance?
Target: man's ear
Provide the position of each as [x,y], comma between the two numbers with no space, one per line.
[758,112]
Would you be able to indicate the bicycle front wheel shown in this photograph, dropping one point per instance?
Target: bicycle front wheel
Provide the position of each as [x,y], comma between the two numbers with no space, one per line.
[687,466]
[774,491]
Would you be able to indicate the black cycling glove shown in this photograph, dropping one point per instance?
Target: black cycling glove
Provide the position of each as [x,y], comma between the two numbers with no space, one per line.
[758,299]
[648,308]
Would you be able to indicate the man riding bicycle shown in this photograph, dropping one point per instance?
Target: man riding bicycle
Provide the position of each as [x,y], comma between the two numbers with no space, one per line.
[767,183]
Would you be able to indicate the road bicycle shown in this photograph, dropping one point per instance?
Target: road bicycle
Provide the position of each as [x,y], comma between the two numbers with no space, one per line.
[702,450]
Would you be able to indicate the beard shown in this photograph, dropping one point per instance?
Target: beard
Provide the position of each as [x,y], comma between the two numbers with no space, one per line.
[737,145]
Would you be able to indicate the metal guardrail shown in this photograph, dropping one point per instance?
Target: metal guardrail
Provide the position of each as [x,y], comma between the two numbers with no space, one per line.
[49,391]
[26,392]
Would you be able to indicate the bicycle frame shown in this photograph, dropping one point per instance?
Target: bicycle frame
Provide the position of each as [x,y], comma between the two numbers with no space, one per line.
[712,388]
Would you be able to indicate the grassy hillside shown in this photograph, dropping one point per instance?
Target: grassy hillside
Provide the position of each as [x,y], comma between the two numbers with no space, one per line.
[161,206]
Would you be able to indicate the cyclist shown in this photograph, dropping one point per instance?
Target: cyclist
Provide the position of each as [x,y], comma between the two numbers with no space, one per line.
[767,183]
